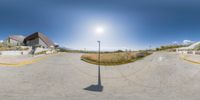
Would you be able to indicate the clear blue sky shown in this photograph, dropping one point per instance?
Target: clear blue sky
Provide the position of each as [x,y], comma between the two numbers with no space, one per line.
[132,24]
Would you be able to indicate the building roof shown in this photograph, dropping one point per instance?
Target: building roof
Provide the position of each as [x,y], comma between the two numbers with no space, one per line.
[19,38]
[43,37]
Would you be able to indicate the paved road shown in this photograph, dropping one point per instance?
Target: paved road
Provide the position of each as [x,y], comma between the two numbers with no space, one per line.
[160,76]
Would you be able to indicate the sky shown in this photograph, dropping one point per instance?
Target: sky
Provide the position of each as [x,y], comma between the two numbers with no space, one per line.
[127,24]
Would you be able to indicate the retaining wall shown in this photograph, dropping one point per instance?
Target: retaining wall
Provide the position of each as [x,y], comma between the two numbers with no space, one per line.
[13,53]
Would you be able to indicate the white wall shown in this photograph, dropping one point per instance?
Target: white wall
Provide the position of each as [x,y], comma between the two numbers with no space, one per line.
[13,53]
[38,49]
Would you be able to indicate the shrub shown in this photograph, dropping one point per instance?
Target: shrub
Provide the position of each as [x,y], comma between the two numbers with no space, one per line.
[39,53]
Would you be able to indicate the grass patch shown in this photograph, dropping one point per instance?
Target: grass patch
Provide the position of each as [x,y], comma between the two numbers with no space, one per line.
[109,59]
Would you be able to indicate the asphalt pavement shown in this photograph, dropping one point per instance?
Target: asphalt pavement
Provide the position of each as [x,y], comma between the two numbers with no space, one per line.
[160,76]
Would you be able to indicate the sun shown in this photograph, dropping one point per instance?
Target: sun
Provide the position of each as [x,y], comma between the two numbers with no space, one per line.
[99,30]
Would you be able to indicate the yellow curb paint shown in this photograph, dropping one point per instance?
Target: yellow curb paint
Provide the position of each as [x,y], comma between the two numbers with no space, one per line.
[25,62]
[184,58]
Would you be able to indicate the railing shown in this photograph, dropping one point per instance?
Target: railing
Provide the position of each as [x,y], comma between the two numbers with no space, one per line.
[189,52]
[197,52]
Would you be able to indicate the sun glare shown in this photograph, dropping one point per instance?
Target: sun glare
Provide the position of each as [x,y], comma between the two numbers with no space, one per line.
[99,30]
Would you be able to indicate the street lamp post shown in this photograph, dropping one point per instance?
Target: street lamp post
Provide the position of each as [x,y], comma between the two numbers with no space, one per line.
[98,87]
[99,63]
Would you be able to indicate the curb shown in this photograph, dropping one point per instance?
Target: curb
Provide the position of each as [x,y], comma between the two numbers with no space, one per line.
[25,62]
[110,64]
[192,61]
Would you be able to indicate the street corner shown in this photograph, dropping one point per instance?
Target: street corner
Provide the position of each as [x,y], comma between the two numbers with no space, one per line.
[191,58]
[22,60]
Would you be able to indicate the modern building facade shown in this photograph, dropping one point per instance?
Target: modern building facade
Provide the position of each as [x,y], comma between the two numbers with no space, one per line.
[35,43]
[38,39]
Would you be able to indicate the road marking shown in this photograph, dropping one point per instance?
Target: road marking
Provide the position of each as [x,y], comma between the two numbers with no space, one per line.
[189,60]
[160,58]
[19,64]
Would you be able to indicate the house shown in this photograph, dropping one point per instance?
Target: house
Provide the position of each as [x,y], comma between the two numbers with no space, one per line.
[15,40]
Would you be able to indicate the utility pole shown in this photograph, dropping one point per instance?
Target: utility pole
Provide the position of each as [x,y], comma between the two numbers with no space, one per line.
[99,64]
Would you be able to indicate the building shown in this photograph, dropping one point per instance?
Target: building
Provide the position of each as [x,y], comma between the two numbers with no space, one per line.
[192,49]
[38,39]
[15,40]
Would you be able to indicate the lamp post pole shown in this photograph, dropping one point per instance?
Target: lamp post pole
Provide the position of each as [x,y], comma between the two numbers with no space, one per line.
[99,63]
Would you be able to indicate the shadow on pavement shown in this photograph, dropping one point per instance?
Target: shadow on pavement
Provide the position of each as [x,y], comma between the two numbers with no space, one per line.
[94,88]
[98,87]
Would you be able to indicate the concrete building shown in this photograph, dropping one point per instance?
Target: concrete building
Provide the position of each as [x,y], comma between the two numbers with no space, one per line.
[192,49]
[15,40]
[38,39]
[32,44]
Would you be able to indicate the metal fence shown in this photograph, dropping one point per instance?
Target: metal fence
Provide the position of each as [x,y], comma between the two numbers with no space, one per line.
[189,52]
